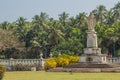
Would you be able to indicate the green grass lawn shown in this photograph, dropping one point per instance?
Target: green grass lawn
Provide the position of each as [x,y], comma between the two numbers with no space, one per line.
[41,75]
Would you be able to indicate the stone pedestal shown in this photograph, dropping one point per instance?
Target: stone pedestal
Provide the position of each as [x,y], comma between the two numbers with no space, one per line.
[92,51]
[91,39]
[93,58]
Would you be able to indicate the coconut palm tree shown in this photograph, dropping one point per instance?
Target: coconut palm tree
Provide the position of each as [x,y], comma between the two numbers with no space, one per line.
[100,14]
[40,19]
[109,18]
[81,20]
[63,18]
[20,28]
[4,25]
[116,12]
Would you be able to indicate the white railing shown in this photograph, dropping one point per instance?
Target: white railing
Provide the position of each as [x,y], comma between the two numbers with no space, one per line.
[19,61]
[114,60]
[12,62]
[40,62]
[9,62]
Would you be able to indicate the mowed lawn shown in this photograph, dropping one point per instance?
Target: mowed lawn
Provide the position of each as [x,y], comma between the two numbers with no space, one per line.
[41,75]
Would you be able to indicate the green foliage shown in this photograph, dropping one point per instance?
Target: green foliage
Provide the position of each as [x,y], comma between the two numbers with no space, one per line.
[109,31]
[118,53]
[2,71]
[64,35]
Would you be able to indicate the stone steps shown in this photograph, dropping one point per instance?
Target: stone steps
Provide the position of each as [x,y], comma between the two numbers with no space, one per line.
[92,65]
[90,70]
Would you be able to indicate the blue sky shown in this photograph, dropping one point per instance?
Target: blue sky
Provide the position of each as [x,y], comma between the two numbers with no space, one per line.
[11,10]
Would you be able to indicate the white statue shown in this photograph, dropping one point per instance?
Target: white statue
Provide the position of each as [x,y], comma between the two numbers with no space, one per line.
[91,21]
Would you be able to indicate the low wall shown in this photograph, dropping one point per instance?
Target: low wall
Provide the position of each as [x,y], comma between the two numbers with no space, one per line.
[40,62]
[114,60]
[13,62]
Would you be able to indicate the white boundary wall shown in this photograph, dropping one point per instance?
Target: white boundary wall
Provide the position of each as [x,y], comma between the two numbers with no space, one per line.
[12,62]
[115,60]
[40,62]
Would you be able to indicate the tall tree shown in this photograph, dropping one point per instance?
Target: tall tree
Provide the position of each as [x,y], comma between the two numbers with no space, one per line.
[8,41]
[116,12]
[63,18]
[109,18]
[100,14]
[81,20]
[82,25]
[4,25]
[20,30]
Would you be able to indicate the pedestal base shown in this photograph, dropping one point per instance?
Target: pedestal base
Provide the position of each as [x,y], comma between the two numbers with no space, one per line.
[93,58]
[92,50]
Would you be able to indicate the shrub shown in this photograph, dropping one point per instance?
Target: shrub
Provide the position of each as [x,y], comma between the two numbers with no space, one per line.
[2,71]
[65,56]
[118,53]
[73,59]
[61,61]
[65,59]
[50,63]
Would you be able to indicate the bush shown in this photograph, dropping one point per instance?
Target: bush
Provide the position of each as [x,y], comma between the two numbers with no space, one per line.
[50,63]
[118,53]
[2,71]
[73,59]
[64,60]
[61,61]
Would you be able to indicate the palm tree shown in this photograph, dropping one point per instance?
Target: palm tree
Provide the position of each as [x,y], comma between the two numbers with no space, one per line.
[82,25]
[54,36]
[21,29]
[63,18]
[41,26]
[80,19]
[64,22]
[39,32]
[116,12]
[20,22]
[109,18]
[112,38]
[4,25]
[100,14]
[40,19]
[72,22]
